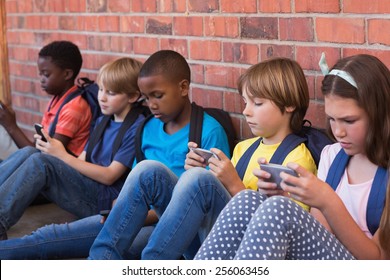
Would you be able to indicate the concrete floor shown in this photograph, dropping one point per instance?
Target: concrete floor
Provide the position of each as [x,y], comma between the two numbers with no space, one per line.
[37,216]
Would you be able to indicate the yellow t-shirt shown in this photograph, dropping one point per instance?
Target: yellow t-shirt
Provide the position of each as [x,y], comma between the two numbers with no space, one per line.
[300,155]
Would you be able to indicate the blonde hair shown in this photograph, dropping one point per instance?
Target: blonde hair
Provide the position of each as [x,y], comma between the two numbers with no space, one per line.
[120,76]
[282,81]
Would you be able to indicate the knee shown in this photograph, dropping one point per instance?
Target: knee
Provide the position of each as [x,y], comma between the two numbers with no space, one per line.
[147,167]
[281,207]
[196,177]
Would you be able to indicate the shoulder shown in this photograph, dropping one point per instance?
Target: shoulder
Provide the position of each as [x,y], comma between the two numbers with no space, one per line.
[242,146]
[209,121]
[328,155]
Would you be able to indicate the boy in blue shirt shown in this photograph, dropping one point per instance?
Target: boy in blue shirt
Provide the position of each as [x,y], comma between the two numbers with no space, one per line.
[164,80]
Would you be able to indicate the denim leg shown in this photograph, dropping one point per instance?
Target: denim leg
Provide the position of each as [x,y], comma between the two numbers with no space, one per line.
[14,161]
[196,203]
[229,229]
[56,180]
[281,229]
[149,183]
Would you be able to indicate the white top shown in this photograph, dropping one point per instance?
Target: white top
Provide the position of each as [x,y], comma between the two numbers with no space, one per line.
[354,196]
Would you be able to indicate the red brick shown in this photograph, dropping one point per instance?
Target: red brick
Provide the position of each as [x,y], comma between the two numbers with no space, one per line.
[296,29]
[222,76]
[367,7]
[238,6]
[25,6]
[77,6]
[311,85]
[240,53]
[318,84]
[378,31]
[203,6]
[11,6]
[308,57]
[317,6]
[316,114]
[275,6]
[178,45]
[159,25]
[132,24]
[222,27]
[109,24]
[145,45]
[273,50]
[144,6]
[120,6]
[51,22]
[197,73]
[340,30]
[205,50]
[188,26]
[259,27]
[91,23]
[233,102]
[56,6]
[169,6]
[207,98]
[96,6]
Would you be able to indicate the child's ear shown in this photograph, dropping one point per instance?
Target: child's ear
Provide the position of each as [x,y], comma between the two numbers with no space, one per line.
[290,109]
[135,97]
[68,73]
[184,87]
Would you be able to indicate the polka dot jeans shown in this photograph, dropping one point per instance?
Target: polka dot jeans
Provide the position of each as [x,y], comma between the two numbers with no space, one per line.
[252,226]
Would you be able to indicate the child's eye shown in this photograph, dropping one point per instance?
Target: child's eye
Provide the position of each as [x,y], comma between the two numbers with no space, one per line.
[258,103]
[350,121]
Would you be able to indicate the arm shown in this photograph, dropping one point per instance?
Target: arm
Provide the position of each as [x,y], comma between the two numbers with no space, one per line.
[104,175]
[316,193]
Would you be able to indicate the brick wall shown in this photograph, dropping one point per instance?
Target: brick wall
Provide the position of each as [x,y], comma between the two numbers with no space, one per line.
[219,38]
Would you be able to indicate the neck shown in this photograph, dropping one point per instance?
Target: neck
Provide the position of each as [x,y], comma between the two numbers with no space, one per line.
[122,115]
[182,119]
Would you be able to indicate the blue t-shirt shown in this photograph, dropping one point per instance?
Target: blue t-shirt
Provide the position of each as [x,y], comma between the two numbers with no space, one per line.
[171,149]
[102,154]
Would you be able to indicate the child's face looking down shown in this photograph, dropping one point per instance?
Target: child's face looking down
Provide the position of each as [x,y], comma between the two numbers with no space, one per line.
[52,78]
[166,99]
[112,103]
[349,123]
[265,119]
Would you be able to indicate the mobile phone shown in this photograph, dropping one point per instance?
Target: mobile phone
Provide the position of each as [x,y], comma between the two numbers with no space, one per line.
[1,107]
[206,154]
[275,170]
[104,213]
[38,129]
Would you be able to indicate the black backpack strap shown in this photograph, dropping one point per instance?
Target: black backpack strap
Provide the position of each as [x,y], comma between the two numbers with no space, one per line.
[96,136]
[243,162]
[196,124]
[52,128]
[336,169]
[129,120]
[289,143]
[376,199]
[139,155]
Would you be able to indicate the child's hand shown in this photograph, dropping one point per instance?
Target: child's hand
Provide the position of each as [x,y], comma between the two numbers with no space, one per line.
[193,159]
[224,170]
[267,188]
[52,147]
[306,188]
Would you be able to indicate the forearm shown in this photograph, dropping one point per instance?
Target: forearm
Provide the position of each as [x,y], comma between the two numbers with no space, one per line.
[348,232]
[19,137]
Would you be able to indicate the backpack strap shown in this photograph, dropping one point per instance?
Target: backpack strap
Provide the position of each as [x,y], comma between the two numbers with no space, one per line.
[376,198]
[196,124]
[98,132]
[243,162]
[139,155]
[289,143]
[52,128]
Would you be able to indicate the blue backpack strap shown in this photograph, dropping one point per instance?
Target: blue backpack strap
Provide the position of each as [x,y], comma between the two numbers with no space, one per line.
[52,128]
[243,162]
[289,143]
[139,155]
[376,199]
[336,169]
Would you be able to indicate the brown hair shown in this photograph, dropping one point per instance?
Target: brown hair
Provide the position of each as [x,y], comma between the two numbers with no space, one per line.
[120,76]
[282,81]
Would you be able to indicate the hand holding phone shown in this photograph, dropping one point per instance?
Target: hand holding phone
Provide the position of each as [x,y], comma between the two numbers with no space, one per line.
[206,154]
[38,129]
[275,170]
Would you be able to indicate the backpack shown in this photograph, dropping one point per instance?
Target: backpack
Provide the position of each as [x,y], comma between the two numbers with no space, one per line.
[129,120]
[196,125]
[377,196]
[314,139]
[89,90]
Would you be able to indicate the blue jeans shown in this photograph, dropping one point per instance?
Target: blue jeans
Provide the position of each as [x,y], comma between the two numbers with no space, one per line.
[28,172]
[187,209]
[65,241]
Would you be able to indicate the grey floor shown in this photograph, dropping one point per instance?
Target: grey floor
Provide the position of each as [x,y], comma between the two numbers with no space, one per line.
[37,216]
